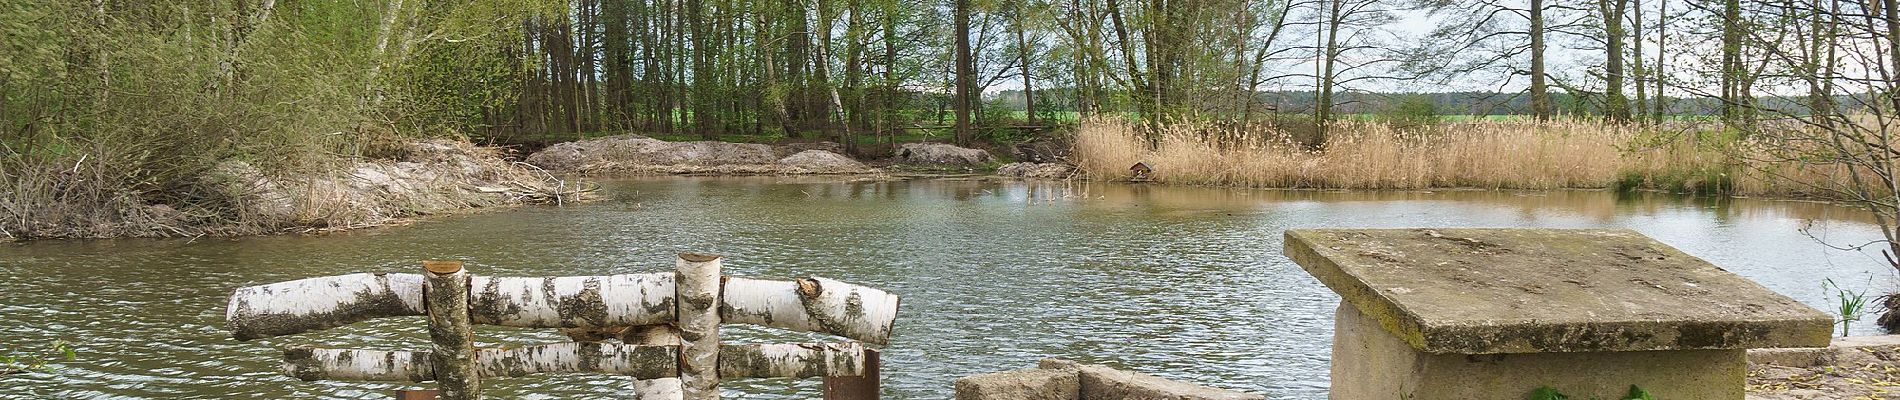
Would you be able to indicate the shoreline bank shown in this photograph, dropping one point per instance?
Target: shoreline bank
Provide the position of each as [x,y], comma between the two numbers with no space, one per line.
[438,177]
[235,198]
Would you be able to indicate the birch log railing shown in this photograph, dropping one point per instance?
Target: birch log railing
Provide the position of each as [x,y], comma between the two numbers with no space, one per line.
[668,324]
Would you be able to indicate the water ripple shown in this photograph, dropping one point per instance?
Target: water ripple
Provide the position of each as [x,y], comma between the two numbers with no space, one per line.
[1184,283]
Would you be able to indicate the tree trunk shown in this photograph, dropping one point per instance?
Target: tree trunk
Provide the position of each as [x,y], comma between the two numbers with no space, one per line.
[1540,91]
[1323,104]
[834,103]
[649,363]
[1661,101]
[573,301]
[887,117]
[588,27]
[854,68]
[315,364]
[1022,54]
[697,282]
[702,107]
[639,361]
[1821,101]
[1641,71]
[812,305]
[1615,105]
[1892,10]
[791,360]
[617,53]
[965,75]
[775,91]
[450,332]
[384,29]
[667,388]
[304,305]
[241,27]
[1135,80]
[1731,59]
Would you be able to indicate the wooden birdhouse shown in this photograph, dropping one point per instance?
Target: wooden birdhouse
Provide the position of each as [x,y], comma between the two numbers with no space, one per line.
[1141,172]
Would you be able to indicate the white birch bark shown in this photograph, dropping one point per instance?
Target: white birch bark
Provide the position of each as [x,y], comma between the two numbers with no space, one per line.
[648,363]
[597,357]
[312,364]
[813,305]
[791,360]
[320,303]
[227,68]
[371,86]
[450,333]
[573,301]
[667,388]
[697,281]
[658,389]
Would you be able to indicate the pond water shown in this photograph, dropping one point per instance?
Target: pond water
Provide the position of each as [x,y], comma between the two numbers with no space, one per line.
[1181,282]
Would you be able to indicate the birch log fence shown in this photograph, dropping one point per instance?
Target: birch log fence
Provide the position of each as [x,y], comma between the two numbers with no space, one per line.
[668,324]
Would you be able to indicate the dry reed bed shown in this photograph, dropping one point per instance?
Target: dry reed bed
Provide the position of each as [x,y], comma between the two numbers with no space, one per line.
[1479,154]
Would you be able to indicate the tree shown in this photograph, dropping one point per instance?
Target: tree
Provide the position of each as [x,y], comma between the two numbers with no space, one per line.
[1731,72]
[1615,104]
[1024,55]
[964,100]
[1348,45]
[1488,37]
[1822,137]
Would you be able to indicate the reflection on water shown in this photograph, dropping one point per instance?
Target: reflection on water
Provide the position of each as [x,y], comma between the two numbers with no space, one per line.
[1181,282]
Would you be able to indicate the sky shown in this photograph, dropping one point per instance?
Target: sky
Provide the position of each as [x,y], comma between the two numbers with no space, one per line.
[1565,61]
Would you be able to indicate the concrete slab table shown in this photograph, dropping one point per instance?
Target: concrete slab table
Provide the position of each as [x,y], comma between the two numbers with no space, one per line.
[1497,313]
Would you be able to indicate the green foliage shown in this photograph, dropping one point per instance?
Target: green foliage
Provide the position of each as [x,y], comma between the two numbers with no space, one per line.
[1629,181]
[1549,393]
[14,362]
[108,109]
[1850,305]
[1637,393]
[1412,110]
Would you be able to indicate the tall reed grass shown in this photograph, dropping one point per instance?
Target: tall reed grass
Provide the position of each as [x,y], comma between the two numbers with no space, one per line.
[1568,154]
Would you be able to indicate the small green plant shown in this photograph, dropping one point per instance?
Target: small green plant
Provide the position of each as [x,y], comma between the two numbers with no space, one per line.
[1637,393]
[1851,305]
[1547,393]
[1550,393]
[12,362]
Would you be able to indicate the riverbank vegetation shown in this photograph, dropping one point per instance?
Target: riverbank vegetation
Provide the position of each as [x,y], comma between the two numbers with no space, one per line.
[1685,157]
[126,118]
[113,106]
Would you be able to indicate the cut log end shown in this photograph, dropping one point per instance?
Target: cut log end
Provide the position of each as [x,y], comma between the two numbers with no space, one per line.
[698,257]
[809,288]
[442,267]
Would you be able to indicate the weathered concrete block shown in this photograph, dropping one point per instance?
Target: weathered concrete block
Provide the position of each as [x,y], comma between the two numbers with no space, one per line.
[1069,380]
[1845,348]
[1485,291]
[1103,383]
[1497,313]
[1371,364]
[1022,384]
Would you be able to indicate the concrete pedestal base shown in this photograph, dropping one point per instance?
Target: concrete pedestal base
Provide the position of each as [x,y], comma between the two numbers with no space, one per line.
[1370,363]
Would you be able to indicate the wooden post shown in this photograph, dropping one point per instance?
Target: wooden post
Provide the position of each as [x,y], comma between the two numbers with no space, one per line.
[453,336]
[862,387]
[654,335]
[415,394]
[697,282]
